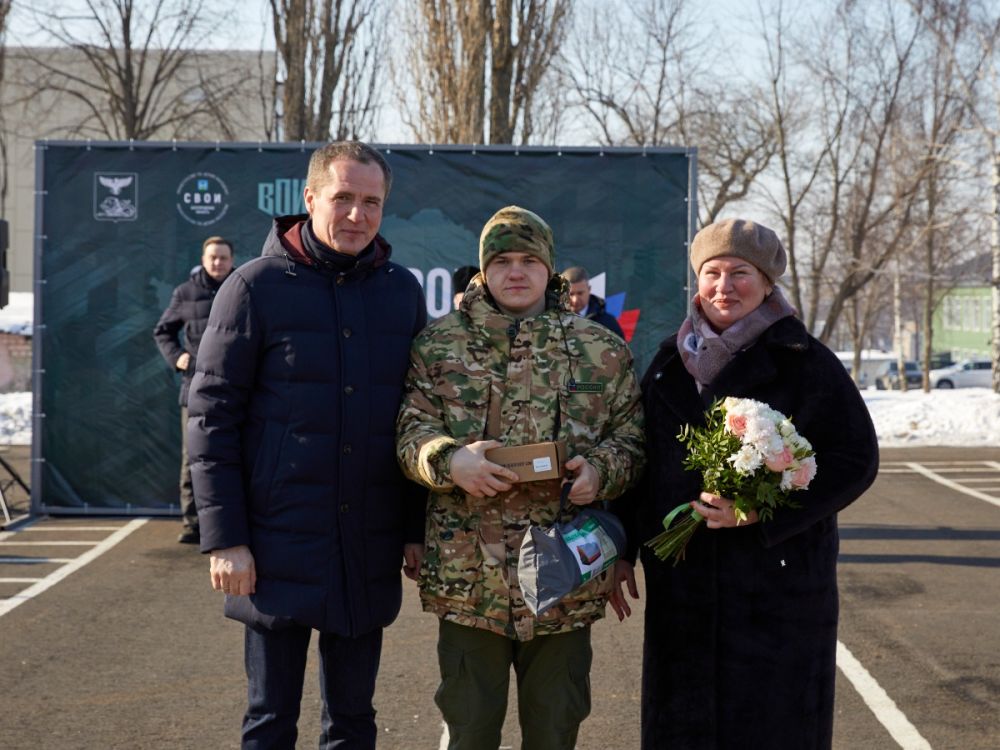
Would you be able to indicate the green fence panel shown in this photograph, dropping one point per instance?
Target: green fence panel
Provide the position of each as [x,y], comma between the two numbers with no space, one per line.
[120,225]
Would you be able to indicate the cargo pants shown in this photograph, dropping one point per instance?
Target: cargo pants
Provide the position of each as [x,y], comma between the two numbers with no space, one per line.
[553,686]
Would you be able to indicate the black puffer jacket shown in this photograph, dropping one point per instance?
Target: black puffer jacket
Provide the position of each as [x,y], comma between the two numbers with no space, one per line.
[597,311]
[188,310]
[291,434]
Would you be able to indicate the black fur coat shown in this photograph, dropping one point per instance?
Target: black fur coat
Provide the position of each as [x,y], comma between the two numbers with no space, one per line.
[740,637]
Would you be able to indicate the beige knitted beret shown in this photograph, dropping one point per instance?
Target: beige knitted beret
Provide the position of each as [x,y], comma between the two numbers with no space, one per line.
[740,238]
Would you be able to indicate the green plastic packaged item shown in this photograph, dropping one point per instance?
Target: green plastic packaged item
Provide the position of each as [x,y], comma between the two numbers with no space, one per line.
[560,558]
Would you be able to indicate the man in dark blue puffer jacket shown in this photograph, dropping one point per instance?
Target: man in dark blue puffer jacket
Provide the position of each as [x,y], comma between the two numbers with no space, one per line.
[302,506]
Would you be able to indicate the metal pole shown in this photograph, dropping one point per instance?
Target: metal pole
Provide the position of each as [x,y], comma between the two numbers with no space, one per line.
[38,333]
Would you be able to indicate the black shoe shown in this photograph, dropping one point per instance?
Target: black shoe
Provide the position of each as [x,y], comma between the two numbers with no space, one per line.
[189,536]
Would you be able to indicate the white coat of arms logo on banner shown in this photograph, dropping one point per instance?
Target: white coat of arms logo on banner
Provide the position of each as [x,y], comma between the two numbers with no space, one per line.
[116,196]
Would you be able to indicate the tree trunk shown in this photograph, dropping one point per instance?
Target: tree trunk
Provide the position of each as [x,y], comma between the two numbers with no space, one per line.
[930,243]
[897,320]
[995,250]
[293,52]
[501,73]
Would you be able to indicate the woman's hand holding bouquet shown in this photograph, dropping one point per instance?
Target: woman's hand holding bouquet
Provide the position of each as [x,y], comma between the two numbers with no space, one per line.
[751,459]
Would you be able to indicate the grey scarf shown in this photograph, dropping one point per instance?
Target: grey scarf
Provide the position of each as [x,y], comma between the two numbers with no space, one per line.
[705,353]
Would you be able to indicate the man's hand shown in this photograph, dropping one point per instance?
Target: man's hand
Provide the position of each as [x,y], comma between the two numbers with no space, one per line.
[233,571]
[622,573]
[183,362]
[413,555]
[585,481]
[473,473]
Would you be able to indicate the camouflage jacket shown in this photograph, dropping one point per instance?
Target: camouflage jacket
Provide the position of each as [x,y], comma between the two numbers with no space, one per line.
[475,366]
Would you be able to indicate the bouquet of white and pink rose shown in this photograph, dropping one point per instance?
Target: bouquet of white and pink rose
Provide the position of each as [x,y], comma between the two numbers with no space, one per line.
[747,452]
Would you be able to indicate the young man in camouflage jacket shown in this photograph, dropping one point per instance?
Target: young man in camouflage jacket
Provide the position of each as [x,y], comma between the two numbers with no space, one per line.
[513,366]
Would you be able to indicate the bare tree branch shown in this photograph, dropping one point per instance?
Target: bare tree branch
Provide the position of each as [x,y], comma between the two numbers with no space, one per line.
[331,52]
[139,77]
[637,79]
[481,66]
[4,11]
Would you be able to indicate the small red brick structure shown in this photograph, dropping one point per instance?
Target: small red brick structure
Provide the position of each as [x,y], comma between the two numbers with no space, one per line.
[15,362]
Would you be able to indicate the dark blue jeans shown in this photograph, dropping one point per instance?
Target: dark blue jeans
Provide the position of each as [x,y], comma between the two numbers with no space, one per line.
[276,664]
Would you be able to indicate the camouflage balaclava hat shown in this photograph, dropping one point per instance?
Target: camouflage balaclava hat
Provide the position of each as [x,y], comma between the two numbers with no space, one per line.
[516,229]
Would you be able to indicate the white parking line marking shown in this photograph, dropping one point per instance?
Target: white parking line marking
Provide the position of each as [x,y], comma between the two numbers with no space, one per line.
[939,470]
[960,469]
[35,560]
[11,543]
[973,462]
[884,708]
[19,580]
[954,485]
[443,744]
[942,467]
[56,527]
[72,566]
[33,526]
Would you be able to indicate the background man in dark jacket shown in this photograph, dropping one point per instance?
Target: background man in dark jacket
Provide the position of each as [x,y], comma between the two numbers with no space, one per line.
[188,312]
[304,511]
[584,303]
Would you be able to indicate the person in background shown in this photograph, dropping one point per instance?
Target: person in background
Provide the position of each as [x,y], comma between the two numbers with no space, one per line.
[741,635]
[304,512]
[188,313]
[460,281]
[513,366]
[586,304]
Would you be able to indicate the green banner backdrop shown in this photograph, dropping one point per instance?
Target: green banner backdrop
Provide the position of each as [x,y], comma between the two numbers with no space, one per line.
[120,225]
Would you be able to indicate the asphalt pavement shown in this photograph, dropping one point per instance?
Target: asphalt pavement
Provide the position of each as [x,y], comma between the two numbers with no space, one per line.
[110,636]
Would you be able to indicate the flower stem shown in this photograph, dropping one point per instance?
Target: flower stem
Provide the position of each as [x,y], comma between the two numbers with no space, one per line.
[673,541]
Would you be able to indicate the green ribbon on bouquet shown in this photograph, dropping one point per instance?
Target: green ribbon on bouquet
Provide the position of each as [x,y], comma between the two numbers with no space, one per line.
[669,518]
[672,541]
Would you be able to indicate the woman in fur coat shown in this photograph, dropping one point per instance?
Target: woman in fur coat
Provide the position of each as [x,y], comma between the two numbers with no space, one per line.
[740,635]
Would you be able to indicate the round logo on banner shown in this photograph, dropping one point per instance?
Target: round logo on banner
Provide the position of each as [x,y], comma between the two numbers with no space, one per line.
[202,198]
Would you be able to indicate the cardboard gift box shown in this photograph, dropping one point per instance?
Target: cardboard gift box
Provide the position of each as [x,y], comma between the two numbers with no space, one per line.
[531,462]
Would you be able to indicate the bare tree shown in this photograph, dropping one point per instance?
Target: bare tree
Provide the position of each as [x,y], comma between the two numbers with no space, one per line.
[865,310]
[448,46]
[978,72]
[799,155]
[4,11]
[525,39]
[860,212]
[944,119]
[331,52]
[631,72]
[736,142]
[132,67]
[637,80]
[482,66]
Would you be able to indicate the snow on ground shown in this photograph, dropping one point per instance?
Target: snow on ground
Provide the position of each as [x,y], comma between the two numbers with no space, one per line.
[964,416]
[19,313]
[15,418]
